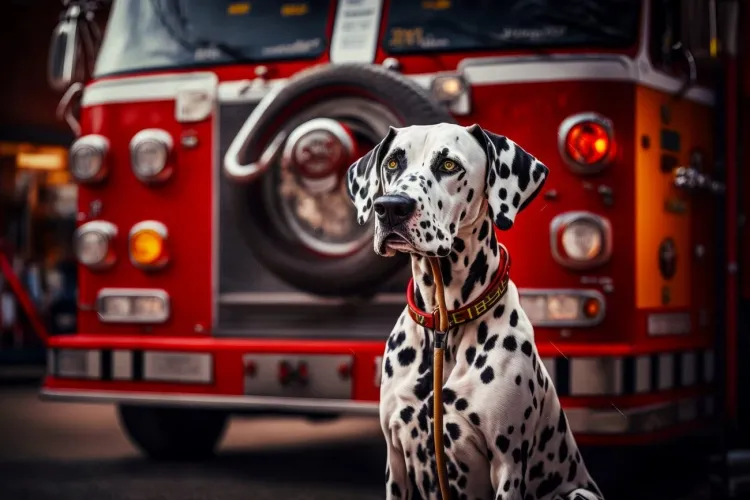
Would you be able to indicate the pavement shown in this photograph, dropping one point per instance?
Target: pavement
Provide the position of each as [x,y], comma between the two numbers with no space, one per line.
[61,451]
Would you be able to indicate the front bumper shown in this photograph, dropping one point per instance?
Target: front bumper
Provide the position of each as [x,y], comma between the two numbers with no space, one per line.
[611,393]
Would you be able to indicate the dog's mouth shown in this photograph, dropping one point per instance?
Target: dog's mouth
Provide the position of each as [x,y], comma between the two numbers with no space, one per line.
[396,241]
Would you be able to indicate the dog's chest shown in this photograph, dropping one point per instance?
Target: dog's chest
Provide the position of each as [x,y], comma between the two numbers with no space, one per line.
[467,466]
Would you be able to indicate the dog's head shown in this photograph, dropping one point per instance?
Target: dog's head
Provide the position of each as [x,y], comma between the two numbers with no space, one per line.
[425,181]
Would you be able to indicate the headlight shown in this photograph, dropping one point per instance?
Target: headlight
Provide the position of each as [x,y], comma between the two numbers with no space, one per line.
[87,159]
[586,142]
[148,245]
[93,244]
[580,240]
[563,307]
[132,305]
[448,89]
[149,155]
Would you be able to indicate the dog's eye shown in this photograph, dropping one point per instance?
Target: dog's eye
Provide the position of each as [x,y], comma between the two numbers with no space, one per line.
[448,166]
[391,165]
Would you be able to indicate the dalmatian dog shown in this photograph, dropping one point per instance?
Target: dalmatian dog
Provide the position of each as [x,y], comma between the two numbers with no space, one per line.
[437,191]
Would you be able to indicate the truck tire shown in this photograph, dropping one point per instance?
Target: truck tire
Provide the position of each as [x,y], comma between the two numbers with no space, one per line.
[362,271]
[173,433]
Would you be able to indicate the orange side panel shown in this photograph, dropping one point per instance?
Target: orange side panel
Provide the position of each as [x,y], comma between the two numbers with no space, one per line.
[654,190]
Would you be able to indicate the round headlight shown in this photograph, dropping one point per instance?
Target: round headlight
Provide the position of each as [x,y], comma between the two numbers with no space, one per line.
[93,244]
[149,150]
[87,156]
[582,240]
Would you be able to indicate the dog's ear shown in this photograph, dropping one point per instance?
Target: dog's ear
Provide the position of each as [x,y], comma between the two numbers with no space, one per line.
[514,177]
[363,179]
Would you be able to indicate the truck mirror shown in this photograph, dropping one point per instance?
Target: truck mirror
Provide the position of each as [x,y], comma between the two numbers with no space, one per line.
[63,51]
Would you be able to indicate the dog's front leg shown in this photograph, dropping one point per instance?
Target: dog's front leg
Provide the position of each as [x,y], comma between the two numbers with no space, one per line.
[397,484]
[507,485]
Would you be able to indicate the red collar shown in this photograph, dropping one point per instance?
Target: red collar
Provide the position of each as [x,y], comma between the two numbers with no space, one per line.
[491,296]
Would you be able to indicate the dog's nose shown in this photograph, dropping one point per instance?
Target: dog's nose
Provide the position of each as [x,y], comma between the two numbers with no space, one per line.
[394,208]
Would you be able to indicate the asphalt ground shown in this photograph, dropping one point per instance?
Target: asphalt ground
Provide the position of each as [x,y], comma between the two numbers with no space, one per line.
[60,451]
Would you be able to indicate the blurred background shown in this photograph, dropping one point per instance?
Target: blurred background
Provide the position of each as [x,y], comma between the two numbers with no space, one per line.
[159,274]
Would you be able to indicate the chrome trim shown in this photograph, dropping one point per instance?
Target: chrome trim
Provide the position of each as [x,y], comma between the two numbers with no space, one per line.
[91,359]
[108,231]
[565,218]
[461,105]
[562,134]
[64,108]
[99,145]
[596,376]
[205,365]
[133,292]
[160,229]
[67,26]
[158,136]
[639,419]
[333,127]
[222,402]
[299,299]
[677,323]
[233,167]
[584,294]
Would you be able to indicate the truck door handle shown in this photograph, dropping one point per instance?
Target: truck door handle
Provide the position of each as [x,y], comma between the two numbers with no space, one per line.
[690,179]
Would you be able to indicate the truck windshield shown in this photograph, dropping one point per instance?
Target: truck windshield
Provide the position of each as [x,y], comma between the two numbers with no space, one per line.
[156,34]
[443,25]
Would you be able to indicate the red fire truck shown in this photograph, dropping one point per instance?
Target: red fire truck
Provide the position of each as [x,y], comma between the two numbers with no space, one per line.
[222,270]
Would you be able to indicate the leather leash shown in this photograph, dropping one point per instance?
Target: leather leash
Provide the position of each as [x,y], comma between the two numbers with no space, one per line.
[441,334]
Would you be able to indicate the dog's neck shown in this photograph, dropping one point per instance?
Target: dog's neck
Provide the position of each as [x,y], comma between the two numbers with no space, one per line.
[466,272]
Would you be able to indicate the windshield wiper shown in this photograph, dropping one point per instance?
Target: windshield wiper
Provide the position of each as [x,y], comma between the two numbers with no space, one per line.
[178,33]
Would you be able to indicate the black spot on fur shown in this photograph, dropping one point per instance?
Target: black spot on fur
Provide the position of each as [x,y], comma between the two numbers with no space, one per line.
[502,443]
[470,353]
[388,367]
[477,274]
[504,171]
[488,375]
[482,331]
[461,404]
[414,432]
[406,356]
[518,380]
[572,471]
[550,484]
[453,430]
[563,452]
[464,468]
[521,168]
[537,471]
[514,318]
[516,199]
[531,387]
[395,341]
[427,279]
[503,222]
[562,423]
[459,245]
[428,237]
[474,418]
[492,178]
[545,437]
[481,360]
[395,491]
[491,343]
[407,413]
[446,272]
[527,412]
[449,396]
[423,387]
[483,231]
[470,195]
[526,347]
[506,486]
[509,343]
[503,193]
[499,311]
